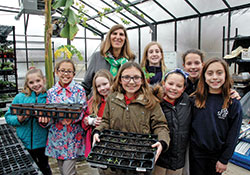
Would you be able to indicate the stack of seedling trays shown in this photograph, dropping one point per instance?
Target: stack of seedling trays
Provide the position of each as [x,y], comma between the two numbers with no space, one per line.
[14,159]
[47,110]
[123,150]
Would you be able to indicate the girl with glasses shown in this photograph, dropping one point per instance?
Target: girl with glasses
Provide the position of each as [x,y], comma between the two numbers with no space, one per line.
[133,108]
[66,136]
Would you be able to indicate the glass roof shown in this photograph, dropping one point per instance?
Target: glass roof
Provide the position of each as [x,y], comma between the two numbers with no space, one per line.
[102,14]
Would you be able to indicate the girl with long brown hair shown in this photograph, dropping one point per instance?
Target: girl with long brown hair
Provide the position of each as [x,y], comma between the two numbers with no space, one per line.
[216,120]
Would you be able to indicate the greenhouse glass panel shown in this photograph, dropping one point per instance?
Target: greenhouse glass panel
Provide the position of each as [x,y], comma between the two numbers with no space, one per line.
[234,3]
[208,6]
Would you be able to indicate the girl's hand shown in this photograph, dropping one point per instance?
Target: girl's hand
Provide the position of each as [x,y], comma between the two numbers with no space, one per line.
[98,121]
[95,139]
[220,167]
[85,120]
[159,149]
[44,120]
[21,118]
[234,94]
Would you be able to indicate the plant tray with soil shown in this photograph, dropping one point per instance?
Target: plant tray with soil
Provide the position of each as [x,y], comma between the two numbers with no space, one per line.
[72,111]
[124,150]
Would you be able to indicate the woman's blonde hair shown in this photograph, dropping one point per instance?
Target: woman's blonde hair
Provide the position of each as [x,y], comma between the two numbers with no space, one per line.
[26,90]
[145,61]
[126,50]
[144,89]
[97,98]
[202,90]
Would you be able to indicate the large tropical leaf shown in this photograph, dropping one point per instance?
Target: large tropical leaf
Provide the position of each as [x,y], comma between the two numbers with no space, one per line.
[59,3]
[72,18]
[69,31]
[69,3]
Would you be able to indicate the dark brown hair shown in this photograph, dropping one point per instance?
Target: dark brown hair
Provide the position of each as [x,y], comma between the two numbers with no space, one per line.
[65,61]
[202,90]
[193,51]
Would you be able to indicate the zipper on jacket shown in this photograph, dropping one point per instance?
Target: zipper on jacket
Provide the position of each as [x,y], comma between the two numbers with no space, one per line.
[31,144]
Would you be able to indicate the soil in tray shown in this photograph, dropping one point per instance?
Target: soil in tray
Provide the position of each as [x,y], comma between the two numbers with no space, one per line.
[97,150]
[125,162]
[149,156]
[93,157]
[136,163]
[100,143]
[107,151]
[138,155]
[127,154]
[117,153]
[147,164]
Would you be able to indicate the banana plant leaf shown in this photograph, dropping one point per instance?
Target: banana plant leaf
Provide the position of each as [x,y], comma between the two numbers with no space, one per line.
[59,3]
[69,31]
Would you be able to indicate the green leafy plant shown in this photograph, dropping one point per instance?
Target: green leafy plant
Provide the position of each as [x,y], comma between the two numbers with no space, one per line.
[147,74]
[68,51]
[71,19]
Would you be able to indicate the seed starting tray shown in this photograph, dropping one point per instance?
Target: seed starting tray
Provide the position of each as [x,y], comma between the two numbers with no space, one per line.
[123,150]
[55,112]
[14,159]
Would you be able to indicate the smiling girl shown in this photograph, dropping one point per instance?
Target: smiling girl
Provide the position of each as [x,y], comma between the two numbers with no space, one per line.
[102,82]
[153,62]
[216,120]
[133,108]
[66,136]
[28,129]
[176,107]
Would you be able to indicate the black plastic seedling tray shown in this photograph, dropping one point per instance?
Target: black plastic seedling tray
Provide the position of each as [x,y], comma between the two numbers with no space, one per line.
[14,158]
[51,110]
[123,150]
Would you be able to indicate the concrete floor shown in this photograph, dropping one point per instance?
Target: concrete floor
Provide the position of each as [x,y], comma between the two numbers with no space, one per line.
[83,168]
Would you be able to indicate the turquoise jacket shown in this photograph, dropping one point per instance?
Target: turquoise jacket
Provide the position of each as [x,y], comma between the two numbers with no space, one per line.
[29,131]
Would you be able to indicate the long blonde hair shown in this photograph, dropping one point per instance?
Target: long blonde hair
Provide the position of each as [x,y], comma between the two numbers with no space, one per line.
[145,61]
[26,90]
[144,89]
[126,50]
[97,98]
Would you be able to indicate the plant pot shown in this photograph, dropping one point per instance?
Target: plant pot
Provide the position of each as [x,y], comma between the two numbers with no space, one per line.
[40,109]
[62,111]
[27,108]
[16,109]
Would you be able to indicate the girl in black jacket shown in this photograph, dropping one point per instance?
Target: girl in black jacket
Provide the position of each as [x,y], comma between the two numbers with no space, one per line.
[176,106]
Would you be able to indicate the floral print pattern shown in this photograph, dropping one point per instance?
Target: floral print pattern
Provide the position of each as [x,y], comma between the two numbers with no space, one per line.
[66,141]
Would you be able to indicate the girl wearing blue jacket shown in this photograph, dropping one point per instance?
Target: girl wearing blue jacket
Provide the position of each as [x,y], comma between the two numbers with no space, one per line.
[28,129]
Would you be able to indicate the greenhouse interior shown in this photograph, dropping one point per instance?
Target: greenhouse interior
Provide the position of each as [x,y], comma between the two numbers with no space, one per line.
[56,49]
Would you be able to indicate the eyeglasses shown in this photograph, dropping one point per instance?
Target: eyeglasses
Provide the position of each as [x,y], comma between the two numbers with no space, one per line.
[127,78]
[65,71]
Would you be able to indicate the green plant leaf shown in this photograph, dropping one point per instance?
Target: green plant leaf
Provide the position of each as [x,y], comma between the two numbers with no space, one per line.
[69,31]
[65,12]
[72,18]
[59,3]
[69,3]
